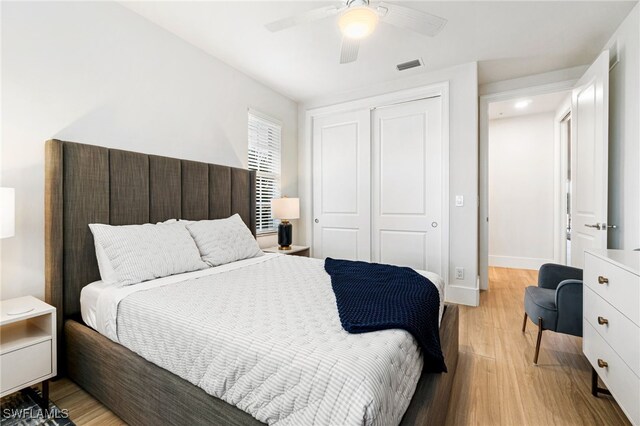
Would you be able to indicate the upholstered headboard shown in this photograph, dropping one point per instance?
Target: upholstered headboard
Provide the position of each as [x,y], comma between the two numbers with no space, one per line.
[90,184]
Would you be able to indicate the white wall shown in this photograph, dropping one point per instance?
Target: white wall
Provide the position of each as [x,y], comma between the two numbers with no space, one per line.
[548,80]
[97,73]
[463,169]
[624,136]
[521,191]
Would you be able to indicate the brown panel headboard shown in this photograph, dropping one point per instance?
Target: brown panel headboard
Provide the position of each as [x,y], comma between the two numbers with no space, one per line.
[90,184]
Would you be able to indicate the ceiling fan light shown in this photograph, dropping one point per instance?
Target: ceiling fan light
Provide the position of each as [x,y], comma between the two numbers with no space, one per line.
[358,22]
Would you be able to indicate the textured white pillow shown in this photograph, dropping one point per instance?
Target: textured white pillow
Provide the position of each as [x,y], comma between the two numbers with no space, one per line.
[183,221]
[107,273]
[223,241]
[130,254]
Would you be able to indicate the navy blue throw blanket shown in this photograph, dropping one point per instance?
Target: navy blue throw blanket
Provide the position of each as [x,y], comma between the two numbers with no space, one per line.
[372,297]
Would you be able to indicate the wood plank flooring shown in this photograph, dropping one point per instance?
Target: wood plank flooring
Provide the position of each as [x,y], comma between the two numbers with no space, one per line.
[496,382]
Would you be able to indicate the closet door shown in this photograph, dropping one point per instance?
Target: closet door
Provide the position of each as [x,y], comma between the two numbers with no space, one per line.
[407,184]
[342,186]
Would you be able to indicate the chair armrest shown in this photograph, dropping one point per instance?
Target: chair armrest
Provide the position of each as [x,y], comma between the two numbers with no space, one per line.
[551,275]
[569,303]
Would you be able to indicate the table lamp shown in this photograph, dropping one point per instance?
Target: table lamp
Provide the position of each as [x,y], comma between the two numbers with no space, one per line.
[8,229]
[285,209]
[7,212]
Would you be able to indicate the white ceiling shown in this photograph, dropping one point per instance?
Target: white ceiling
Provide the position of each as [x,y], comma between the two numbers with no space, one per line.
[508,39]
[537,105]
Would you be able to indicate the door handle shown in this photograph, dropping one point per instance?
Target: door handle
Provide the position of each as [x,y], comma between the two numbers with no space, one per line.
[316,221]
[600,226]
[603,280]
[603,321]
[602,363]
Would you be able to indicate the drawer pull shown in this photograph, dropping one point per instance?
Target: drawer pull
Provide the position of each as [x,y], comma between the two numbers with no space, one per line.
[603,321]
[603,280]
[602,363]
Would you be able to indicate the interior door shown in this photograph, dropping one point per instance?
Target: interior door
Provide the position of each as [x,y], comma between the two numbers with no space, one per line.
[589,158]
[342,186]
[407,184]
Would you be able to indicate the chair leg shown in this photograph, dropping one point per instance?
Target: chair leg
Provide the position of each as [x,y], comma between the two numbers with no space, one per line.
[535,358]
[524,323]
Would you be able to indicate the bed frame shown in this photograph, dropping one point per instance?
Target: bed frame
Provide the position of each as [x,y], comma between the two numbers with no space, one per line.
[91,184]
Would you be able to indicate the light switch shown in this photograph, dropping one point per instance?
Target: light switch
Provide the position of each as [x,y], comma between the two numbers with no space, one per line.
[459,200]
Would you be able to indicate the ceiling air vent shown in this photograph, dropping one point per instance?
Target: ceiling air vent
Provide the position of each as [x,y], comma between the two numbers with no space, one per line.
[408,65]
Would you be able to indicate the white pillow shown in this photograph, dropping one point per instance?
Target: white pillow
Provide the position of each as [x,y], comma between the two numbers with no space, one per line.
[130,254]
[183,221]
[223,241]
[107,273]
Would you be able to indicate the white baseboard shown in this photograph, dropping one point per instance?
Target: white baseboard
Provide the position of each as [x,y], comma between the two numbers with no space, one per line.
[518,262]
[462,295]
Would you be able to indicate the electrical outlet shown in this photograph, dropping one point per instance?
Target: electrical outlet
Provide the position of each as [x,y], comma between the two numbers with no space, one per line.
[459,273]
[459,200]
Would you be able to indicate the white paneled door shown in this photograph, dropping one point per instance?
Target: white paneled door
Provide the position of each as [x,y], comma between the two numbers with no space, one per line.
[589,122]
[407,184]
[341,186]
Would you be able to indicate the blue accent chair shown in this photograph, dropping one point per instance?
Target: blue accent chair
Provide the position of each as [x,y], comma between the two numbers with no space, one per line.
[556,303]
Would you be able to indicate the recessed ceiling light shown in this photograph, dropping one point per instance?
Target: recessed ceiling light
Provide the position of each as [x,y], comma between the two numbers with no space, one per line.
[522,104]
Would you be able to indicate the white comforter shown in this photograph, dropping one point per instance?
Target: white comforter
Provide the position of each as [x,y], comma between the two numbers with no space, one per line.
[264,335]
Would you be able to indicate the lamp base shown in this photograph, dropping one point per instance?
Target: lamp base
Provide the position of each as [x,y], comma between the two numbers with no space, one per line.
[20,311]
[285,232]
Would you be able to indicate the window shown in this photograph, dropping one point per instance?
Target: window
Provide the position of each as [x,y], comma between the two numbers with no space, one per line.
[264,158]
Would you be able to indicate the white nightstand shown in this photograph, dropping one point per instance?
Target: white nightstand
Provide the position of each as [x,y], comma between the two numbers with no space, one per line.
[27,344]
[295,250]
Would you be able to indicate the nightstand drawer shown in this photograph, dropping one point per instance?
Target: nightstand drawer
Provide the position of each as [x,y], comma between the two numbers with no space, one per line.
[25,365]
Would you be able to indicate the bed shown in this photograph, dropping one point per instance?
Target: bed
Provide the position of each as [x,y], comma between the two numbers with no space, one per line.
[89,184]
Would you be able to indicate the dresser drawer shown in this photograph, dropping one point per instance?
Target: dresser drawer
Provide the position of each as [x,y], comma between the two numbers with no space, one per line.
[26,365]
[617,286]
[620,380]
[617,330]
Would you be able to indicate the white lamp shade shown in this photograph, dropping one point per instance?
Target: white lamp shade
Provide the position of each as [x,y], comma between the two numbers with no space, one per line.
[285,208]
[358,22]
[7,212]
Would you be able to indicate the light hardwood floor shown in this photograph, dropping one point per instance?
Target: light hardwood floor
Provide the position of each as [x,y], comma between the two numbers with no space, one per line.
[496,382]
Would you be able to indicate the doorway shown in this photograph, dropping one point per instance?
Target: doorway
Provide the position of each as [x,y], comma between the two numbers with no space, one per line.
[526,191]
[565,173]
[588,156]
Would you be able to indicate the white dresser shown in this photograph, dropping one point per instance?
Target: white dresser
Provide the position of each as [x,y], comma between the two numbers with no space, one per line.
[611,326]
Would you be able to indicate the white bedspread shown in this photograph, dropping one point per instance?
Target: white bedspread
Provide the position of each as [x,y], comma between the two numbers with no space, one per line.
[264,335]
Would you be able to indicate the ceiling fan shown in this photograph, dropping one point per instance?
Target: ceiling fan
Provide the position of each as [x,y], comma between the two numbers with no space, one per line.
[357,19]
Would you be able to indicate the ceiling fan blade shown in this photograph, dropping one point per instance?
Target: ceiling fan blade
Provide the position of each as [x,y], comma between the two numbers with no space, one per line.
[411,19]
[349,51]
[303,18]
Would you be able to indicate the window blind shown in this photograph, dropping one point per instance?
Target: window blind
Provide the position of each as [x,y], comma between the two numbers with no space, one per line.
[264,158]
